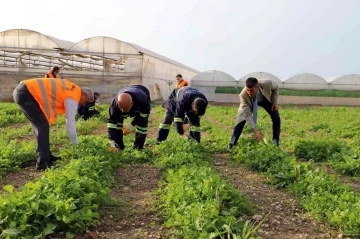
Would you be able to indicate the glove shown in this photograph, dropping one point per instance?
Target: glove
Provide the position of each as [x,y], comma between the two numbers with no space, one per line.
[184,136]
[186,127]
[97,106]
[128,129]
[111,149]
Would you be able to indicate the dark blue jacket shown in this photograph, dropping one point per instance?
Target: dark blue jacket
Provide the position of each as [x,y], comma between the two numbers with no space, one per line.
[140,111]
[179,103]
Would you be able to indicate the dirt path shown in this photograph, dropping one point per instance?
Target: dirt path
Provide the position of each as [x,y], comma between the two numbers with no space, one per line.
[133,216]
[286,220]
[20,177]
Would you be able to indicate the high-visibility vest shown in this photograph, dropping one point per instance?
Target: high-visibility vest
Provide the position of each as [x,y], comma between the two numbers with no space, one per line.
[181,84]
[49,75]
[51,95]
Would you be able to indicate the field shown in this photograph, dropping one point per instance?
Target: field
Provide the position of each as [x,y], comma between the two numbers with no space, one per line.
[306,188]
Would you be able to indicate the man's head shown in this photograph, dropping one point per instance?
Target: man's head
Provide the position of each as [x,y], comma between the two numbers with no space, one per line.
[179,78]
[55,70]
[96,95]
[252,86]
[199,106]
[87,96]
[125,102]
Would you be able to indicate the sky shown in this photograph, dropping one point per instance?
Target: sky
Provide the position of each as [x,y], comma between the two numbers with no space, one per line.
[282,37]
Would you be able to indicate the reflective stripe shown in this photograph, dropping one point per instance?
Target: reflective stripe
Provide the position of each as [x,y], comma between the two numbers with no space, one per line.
[92,108]
[164,126]
[63,84]
[141,131]
[44,96]
[111,126]
[119,126]
[178,92]
[53,97]
[178,120]
[143,115]
[195,129]
[141,128]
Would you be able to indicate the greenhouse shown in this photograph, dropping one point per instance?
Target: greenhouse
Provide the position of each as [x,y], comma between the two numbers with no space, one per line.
[209,81]
[306,81]
[106,64]
[260,75]
[349,82]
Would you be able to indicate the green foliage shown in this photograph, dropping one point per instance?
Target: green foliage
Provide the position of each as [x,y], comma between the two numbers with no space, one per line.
[195,200]
[320,193]
[10,114]
[317,150]
[64,199]
[15,154]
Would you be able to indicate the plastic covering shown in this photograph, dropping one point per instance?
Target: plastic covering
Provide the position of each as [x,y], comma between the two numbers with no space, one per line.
[214,78]
[260,75]
[104,63]
[306,81]
[349,82]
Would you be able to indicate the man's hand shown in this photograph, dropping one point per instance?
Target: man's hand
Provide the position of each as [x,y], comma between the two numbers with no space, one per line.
[184,136]
[112,149]
[259,136]
[128,129]
[186,127]
[275,107]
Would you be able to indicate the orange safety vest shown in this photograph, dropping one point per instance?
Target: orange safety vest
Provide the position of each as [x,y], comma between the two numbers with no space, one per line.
[49,75]
[181,84]
[51,95]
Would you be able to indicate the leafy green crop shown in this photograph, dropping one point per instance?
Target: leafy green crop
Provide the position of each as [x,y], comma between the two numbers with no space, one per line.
[64,199]
[195,200]
[317,150]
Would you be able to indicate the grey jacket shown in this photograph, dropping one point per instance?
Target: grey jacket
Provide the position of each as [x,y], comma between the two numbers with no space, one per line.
[270,91]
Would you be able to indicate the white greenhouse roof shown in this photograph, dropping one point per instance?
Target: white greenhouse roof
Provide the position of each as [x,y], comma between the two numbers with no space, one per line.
[27,48]
[306,81]
[214,78]
[260,75]
[160,57]
[346,82]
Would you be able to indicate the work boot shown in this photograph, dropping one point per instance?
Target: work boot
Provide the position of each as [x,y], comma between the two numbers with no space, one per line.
[162,135]
[44,165]
[53,158]
[229,147]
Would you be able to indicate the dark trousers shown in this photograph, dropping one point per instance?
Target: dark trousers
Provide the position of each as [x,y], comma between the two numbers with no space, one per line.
[167,121]
[275,117]
[40,124]
[164,128]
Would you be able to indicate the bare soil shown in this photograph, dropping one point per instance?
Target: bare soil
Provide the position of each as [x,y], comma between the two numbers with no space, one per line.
[133,216]
[286,219]
[20,177]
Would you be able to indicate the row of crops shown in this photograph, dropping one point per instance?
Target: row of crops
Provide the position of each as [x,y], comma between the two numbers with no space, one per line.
[194,201]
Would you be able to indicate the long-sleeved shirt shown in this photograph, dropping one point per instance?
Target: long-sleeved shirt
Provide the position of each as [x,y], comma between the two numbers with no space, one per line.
[71,107]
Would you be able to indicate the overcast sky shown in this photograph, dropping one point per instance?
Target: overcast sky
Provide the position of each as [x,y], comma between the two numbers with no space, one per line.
[283,37]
